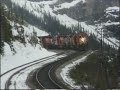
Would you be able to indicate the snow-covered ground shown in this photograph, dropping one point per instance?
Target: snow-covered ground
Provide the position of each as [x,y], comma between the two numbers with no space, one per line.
[24,53]
[65,72]
[18,81]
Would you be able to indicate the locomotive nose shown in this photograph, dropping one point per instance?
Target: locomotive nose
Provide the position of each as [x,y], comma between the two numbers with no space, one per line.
[83,40]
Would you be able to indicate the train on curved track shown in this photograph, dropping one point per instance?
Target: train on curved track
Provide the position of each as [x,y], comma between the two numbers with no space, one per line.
[76,41]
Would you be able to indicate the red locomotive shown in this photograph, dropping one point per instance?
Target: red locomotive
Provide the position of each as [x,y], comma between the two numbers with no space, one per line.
[76,41]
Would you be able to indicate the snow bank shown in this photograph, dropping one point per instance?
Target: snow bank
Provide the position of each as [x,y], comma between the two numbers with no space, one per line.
[24,55]
[65,72]
[19,80]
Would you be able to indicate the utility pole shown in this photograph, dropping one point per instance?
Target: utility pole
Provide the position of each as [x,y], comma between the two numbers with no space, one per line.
[119,23]
[102,77]
[100,73]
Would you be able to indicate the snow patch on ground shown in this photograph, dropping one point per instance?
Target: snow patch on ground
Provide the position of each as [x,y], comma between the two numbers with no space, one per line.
[28,30]
[24,52]
[65,72]
[65,20]
[24,55]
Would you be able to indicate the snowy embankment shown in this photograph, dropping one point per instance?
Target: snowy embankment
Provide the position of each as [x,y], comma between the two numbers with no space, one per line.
[66,69]
[22,53]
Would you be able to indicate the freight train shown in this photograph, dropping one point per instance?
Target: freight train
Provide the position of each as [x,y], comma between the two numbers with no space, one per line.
[76,41]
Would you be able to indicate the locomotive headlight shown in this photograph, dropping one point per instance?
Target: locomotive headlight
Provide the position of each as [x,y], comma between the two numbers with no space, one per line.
[83,39]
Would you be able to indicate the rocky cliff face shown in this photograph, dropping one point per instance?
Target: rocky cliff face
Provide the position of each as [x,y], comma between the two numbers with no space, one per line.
[90,9]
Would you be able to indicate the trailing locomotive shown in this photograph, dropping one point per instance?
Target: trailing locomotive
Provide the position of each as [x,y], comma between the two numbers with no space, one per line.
[76,41]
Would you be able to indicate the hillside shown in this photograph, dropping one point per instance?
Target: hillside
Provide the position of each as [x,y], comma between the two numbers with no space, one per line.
[71,11]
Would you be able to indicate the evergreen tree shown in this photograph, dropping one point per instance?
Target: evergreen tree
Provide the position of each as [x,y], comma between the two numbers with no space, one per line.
[5,32]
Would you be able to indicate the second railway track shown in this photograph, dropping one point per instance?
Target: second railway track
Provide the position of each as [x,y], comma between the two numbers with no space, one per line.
[45,78]
[25,66]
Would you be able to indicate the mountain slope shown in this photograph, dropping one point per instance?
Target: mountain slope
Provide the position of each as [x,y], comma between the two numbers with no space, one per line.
[52,7]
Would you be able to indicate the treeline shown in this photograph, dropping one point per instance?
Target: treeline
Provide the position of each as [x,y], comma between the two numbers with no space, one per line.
[47,22]
[5,31]
[98,71]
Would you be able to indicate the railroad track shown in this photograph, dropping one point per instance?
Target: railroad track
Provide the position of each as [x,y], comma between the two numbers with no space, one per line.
[45,77]
[28,65]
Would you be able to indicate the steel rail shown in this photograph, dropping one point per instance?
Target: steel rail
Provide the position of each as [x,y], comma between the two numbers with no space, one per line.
[28,64]
[49,75]
[52,79]
[44,59]
[50,68]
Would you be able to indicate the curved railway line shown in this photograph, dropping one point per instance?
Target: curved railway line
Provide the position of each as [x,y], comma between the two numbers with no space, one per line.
[45,77]
[30,64]
[52,84]
[45,80]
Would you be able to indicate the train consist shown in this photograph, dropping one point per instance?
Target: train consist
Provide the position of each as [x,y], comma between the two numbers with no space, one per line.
[76,41]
